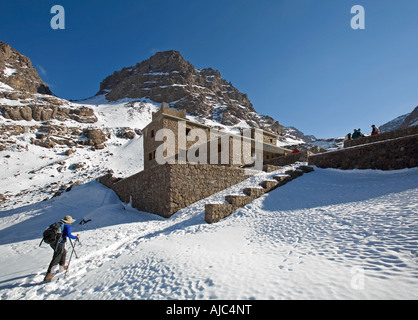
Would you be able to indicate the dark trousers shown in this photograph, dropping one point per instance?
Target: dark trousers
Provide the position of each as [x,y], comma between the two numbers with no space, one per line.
[59,255]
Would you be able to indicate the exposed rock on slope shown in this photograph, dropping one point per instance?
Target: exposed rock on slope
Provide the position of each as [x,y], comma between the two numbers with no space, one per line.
[17,71]
[48,111]
[403,121]
[167,77]
[411,119]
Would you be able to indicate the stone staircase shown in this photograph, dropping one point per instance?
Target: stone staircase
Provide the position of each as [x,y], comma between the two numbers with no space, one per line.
[215,212]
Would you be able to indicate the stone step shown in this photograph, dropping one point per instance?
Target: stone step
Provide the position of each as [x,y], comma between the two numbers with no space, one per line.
[294,173]
[269,185]
[282,180]
[306,169]
[217,211]
[271,168]
[254,192]
[238,201]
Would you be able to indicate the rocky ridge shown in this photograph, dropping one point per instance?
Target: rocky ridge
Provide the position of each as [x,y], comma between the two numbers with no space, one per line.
[17,71]
[168,77]
[403,121]
[24,97]
[411,119]
[48,144]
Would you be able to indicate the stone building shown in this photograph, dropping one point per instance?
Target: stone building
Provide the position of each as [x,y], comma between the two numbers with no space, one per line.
[172,138]
[184,176]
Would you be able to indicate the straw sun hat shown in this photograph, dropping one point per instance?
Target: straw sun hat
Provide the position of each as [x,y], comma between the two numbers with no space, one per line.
[68,219]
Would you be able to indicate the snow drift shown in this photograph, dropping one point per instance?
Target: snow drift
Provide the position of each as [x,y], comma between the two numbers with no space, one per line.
[328,235]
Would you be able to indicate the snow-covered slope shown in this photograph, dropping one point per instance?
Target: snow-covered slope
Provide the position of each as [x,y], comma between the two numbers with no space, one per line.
[328,235]
[33,173]
[30,173]
[394,124]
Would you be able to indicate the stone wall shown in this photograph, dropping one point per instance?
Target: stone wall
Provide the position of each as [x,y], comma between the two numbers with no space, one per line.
[148,190]
[166,189]
[289,159]
[192,182]
[108,180]
[397,153]
[382,136]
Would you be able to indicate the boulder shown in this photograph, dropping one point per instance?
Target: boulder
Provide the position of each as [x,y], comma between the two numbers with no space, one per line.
[94,137]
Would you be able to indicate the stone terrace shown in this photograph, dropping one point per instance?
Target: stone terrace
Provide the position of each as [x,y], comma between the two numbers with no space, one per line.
[387,151]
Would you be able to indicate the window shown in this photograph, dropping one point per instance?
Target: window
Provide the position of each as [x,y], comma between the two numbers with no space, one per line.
[187,131]
[151,155]
[152,133]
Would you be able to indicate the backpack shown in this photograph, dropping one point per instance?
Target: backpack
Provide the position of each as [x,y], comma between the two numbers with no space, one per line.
[52,233]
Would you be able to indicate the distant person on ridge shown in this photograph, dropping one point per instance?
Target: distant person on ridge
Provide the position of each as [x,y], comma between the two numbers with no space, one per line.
[355,134]
[59,248]
[374,130]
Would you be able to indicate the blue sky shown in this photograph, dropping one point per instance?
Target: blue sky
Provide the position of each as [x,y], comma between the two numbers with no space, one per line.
[299,61]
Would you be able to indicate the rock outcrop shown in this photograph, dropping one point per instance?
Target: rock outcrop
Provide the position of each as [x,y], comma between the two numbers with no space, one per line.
[25,97]
[17,71]
[411,119]
[48,112]
[167,77]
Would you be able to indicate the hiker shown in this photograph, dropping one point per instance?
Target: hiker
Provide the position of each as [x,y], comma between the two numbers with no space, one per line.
[59,248]
[374,130]
[355,134]
[296,150]
[348,136]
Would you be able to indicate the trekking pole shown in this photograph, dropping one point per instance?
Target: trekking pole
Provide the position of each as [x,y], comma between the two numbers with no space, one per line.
[73,249]
[68,266]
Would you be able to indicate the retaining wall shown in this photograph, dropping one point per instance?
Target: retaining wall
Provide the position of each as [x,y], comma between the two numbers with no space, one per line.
[382,136]
[165,189]
[397,153]
[289,159]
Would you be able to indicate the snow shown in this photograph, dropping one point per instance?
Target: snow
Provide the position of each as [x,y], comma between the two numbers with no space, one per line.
[31,171]
[5,87]
[329,234]
[8,71]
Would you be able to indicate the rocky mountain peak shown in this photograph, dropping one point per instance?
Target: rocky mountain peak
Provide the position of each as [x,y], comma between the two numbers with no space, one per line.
[16,71]
[403,121]
[411,119]
[166,62]
[168,77]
